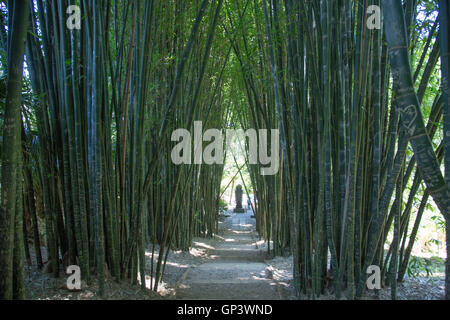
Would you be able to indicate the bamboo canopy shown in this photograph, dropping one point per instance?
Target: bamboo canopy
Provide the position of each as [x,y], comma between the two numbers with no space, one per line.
[357,90]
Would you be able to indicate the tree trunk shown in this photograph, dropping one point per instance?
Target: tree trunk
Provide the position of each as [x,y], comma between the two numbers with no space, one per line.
[11,173]
[409,108]
[444,16]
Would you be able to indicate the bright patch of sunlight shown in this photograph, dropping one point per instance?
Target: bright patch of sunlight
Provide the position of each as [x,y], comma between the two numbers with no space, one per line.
[196,253]
[178,265]
[203,245]
[163,287]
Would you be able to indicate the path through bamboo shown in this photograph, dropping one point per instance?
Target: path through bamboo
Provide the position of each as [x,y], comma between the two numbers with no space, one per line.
[236,269]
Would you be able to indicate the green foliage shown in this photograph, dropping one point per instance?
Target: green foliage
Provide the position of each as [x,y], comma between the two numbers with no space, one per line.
[223,206]
[97,130]
[424,267]
[439,222]
[419,266]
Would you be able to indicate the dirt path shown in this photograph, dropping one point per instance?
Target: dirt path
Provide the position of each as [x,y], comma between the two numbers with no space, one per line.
[236,268]
[232,265]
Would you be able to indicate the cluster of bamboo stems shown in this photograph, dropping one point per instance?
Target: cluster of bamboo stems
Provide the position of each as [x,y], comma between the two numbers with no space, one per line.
[336,91]
[106,99]
[96,136]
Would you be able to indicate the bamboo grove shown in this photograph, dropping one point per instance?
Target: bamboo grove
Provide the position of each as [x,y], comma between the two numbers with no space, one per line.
[105,100]
[363,115]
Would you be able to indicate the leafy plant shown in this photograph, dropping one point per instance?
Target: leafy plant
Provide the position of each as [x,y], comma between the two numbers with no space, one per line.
[439,221]
[223,206]
[418,266]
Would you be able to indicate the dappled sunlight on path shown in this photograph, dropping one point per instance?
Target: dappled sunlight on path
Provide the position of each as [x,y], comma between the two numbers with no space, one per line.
[235,268]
